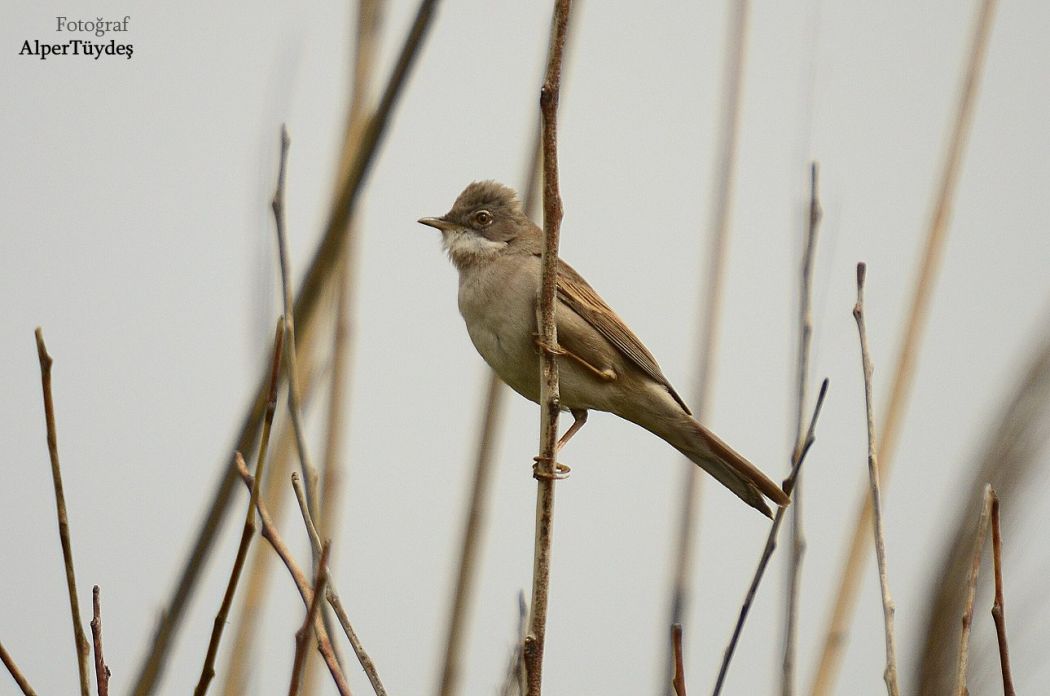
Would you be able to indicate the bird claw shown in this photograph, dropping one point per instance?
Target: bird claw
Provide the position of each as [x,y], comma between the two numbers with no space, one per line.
[560,471]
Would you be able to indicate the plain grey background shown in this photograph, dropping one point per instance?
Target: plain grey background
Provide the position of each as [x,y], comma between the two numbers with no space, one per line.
[136,231]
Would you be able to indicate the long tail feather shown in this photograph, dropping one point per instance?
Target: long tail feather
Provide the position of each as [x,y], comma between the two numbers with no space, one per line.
[731,469]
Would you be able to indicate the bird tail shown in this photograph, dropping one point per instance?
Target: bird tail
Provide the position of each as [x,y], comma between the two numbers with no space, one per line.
[732,470]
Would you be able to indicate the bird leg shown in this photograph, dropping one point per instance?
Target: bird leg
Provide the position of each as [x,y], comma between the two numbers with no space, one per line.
[560,471]
[606,375]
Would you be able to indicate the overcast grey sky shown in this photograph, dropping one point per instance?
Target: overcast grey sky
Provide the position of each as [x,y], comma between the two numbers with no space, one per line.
[136,231]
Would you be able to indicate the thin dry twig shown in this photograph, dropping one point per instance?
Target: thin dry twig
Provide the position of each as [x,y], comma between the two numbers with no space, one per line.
[318,274]
[711,300]
[771,541]
[856,556]
[805,334]
[80,640]
[549,393]
[491,411]
[888,608]
[312,616]
[16,673]
[971,592]
[333,596]
[295,409]
[248,531]
[313,479]
[250,612]
[678,680]
[998,610]
[102,672]
[270,533]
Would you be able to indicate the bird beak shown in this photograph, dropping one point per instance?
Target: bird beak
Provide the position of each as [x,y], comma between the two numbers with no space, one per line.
[439,223]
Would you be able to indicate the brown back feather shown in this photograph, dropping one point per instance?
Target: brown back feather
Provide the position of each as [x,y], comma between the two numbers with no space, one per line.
[574,291]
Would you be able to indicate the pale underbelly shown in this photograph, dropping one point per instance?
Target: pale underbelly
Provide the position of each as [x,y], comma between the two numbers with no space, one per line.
[517,362]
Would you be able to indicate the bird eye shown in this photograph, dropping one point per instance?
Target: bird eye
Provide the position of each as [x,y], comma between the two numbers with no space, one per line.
[482,218]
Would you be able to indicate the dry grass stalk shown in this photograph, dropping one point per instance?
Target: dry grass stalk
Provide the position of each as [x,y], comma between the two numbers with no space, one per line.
[771,542]
[971,592]
[711,300]
[888,609]
[79,639]
[549,393]
[805,334]
[248,531]
[476,515]
[16,673]
[998,610]
[856,556]
[317,277]
[303,634]
[366,43]
[102,673]
[333,597]
[270,533]
[1009,459]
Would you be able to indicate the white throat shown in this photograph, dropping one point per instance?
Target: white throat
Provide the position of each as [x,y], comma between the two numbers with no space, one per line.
[465,248]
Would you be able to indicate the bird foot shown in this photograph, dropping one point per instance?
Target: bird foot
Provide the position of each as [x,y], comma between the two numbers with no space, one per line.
[560,471]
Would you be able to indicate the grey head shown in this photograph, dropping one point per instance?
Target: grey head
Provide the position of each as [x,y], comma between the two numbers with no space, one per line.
[486,219]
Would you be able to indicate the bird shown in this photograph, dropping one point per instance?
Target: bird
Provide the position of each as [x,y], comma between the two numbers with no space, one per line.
[602,364]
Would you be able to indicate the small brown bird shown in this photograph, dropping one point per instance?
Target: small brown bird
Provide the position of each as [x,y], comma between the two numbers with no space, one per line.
[602,365]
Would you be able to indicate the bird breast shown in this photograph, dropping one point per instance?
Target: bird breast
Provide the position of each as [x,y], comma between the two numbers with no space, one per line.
[498,302]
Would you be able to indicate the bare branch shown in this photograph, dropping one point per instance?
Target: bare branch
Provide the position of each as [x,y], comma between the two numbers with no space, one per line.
[678,680]
[313,479]
[295,408]
[248,531]
[998,610]
[805,334]
[549,392]
[320,270]
[856,557]
[236,671]
[771,541]
[312,617]
[491,414]
[102,673]
[270,533]
[79,639]
[333,597]
[971,592]
[876,498]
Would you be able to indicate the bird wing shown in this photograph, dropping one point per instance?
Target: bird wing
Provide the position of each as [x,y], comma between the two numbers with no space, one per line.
[574,291]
